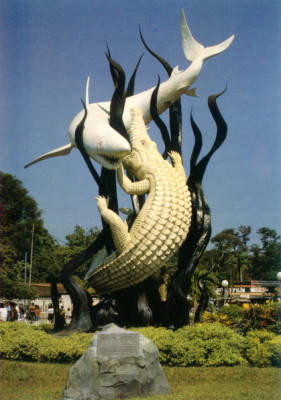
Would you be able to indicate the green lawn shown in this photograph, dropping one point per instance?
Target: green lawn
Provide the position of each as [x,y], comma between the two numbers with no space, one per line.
[38,381]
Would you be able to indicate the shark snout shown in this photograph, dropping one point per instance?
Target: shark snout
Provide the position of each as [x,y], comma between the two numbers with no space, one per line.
[108,153]
[115,144]
[111,146]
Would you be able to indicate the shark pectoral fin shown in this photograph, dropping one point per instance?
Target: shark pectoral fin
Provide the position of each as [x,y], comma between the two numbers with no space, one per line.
[191,92]
[60,151]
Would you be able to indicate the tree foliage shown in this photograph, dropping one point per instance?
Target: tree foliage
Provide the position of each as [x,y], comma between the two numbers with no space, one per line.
[20,215]
[238,261]
[266,258]
[76,242]
[231,246]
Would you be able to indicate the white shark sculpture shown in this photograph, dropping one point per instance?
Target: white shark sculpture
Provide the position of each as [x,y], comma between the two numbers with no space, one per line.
[107,146]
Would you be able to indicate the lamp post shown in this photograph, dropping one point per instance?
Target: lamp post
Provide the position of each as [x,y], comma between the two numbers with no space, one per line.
[189,299]
[224,284]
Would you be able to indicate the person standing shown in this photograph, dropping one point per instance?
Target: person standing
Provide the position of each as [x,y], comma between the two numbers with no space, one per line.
[62,316]
[32,312]
[37,312]
[14,313]
[68,316]
[8,307]
[3,313]
[50,314]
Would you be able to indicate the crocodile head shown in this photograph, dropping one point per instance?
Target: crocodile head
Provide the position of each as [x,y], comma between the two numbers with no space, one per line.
[143,150]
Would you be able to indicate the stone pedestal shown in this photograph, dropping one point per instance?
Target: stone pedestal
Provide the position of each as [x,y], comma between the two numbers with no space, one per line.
[118,364]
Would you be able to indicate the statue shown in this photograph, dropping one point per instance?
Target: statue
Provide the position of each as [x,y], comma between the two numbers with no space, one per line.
[173,218]
[103,143]
[162,223]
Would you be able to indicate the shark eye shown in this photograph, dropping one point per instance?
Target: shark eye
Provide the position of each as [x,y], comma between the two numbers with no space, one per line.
[143,142]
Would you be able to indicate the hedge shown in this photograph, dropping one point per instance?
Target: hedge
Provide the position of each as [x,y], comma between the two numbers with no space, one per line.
[198,345]
[20,341]
[276,351]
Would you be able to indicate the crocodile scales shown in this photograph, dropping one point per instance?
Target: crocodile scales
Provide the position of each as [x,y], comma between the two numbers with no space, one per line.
[161,225]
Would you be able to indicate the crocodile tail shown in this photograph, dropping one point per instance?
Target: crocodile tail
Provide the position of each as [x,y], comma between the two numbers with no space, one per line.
[194,50]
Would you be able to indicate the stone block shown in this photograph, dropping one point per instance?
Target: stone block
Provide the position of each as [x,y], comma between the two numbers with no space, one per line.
[118,364]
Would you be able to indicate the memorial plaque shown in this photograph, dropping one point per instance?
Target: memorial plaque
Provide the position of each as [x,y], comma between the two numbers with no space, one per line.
[118,344]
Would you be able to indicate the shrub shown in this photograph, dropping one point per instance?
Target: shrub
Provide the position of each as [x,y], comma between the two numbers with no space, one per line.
[275,344]
[261,335]
[212,317]
[214,344]
[163,338]
[211,345]
[263,317]
[234,313]
[258,317]
[20,341]
[258,350]
[231,316]
[198,345]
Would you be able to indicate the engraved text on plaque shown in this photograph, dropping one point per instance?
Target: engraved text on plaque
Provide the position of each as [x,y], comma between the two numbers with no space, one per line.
[118,344]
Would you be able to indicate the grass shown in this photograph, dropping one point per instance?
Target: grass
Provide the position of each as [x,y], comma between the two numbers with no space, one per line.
[32,381]
[38,381]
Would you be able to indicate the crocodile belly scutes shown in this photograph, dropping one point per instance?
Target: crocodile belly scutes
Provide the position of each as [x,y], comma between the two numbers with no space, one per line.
[157,234]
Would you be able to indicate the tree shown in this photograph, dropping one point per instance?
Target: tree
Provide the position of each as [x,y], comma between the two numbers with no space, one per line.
[21,226]
[266,259]
[227,244]
[243,251]
[12,290]
[239,260]
[244,232]
[231,246]
[20,217]
[77,242]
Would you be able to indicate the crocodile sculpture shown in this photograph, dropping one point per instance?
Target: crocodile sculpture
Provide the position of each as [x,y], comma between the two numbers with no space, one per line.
[161,225]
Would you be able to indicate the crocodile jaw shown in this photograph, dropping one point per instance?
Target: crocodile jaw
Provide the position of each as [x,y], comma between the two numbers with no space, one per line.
[109,160]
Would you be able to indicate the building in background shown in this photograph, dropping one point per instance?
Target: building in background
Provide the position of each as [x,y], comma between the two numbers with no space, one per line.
[254,292]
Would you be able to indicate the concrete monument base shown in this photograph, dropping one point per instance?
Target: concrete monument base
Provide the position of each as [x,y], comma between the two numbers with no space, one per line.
[118,364]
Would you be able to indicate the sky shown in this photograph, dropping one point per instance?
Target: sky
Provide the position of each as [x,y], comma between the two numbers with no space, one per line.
[49,48]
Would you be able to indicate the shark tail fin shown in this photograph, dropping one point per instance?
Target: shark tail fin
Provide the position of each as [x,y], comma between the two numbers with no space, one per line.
[60,151]
[193,49]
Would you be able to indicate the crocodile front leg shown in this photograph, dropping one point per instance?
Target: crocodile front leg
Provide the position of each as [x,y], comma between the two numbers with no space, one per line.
[137,188]
[177,163]
[119,228]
